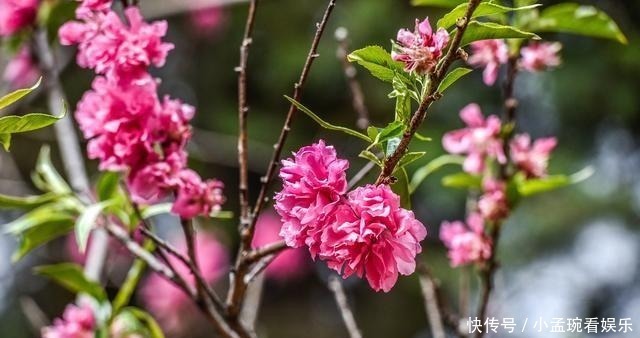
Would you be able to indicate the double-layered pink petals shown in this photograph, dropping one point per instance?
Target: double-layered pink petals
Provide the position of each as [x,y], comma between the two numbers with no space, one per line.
[421,49]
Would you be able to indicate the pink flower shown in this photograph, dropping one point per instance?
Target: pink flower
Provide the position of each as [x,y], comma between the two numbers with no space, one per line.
[540,56]
[22,70]
[76,322]
[493,204]
[480,139]
[532,159]
[489,54]
[466,243]
[196,197]
[16,15]
[108,46]
[313,182]
[173,309]
[156,180]
[291,263]
[420,50]
[206,21]
[88,6]
[373,237]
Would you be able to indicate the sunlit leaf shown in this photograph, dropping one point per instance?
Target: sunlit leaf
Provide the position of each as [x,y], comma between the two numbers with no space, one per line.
[71,277]
[366,154]
[377,61]
[46,178]
[488,30]
[461,180]
[26,202]
[438,3]
[325,124]
[577,19]
[13,124]
[148,321]
[108,186]
[528,187]
[483,9]
[410,157]
[87,221]
[42,214]
[452,77]
[17,95]
[40,234]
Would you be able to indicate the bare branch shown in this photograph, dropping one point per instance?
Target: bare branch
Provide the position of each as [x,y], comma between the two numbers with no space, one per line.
[350,73]
[345,311]
[269,249]
[432,307]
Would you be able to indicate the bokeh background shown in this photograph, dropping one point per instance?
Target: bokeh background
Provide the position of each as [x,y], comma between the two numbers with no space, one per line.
[569,253]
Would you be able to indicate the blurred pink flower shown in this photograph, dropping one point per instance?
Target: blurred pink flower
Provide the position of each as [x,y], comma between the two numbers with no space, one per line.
[481,138]
[373,237]
[173,309]
[206,21]
[78,321]
[290,263]
[493,204]
[466,243]
[16,15]
[420,50]
[313,182]
[196,197]
[532,159]
[539,56]
[489,54]
[21,71]
[87,6]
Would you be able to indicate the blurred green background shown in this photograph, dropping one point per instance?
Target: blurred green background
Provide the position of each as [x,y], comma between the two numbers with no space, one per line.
[570,253]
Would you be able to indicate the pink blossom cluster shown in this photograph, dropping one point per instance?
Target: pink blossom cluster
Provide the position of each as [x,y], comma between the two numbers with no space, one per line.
[129,127]
[168,303]
[467,243]
[16,15]
[490,54]
[363,232]
[421,49]
[289,264]
[78,321]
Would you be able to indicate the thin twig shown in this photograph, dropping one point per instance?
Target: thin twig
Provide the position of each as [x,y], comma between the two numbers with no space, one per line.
[432,307]
[343,305]
[510,106]
[431,96]
[350,73]
[237,289]
[266,250]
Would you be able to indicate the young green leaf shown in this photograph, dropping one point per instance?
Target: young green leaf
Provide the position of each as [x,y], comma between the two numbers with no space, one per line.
[378,62]
[410,157]
[147,320]
[577,19]
[325,124]
[437,3]
[221,214]
[27,202]
[366,154]
[40,234]
[488,30]
[401,187]
[17,95]
[108,185]
[483,9]
[18,124]
[87,221]
[461,180]
[71,277]
[40,215]
[421,174]
[46,178]
[452,77]
[539,185]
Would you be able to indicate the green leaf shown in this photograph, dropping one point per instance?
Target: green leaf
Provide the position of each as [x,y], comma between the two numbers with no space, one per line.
[108,186]
[577,19]
[40,215]
[488,30]
[131,281]
[378,62]
[438,3]
[148,321]
[452,77]
[71,277]
[221,214]
[528,187]
[410,157]
[462,180]
[325,124]
[421,174]
[483,9]
[366,154]
[87,221]
[40,234]
[18,124]
[401,187]
[392,130]
[46,178]
[27,202]
[156,209]
[17,95]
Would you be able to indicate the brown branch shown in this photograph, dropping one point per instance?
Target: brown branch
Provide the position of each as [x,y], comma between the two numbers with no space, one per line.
[428,286]
[237,289]
[350,73]
[343,305]
[510,106]
[266,250]
[431,96]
